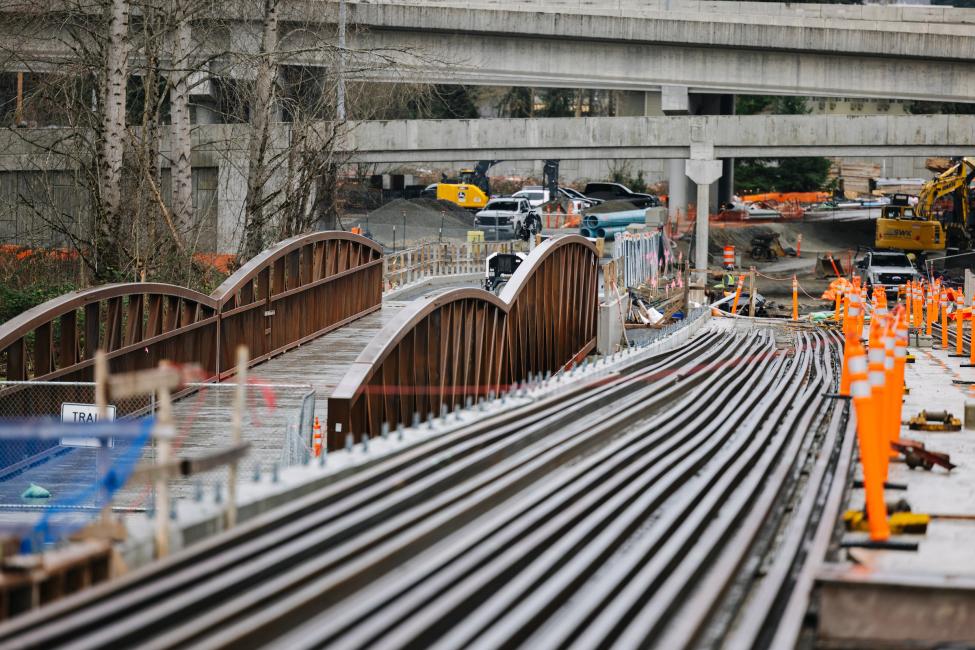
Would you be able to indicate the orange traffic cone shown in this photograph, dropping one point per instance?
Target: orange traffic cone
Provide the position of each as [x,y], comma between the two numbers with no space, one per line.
[734,303]
[944,319]
[959,323]
[795,297]
[871,454]
[317,438]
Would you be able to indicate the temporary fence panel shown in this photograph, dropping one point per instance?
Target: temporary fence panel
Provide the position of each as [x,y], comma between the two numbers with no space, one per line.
[435,259]
[202,425]
[644,258]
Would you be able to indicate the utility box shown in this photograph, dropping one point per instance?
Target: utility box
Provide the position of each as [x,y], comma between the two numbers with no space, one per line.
[609,326]
[656,217]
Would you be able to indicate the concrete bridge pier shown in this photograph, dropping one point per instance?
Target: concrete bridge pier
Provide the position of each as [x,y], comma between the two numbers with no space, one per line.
[704,172]
[677,189]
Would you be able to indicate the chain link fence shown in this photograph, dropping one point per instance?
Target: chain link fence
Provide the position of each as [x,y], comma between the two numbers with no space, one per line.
[277,423]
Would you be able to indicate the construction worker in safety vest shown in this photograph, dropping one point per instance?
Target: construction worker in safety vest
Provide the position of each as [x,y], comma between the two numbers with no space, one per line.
[724,288]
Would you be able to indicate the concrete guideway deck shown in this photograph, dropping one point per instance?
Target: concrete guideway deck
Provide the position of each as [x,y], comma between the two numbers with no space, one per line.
[897,599]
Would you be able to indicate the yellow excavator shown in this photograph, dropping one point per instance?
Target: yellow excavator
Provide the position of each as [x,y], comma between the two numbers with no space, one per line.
[471,190]
[929,226]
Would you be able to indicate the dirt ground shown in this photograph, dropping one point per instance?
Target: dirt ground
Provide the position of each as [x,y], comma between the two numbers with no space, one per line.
[838,238]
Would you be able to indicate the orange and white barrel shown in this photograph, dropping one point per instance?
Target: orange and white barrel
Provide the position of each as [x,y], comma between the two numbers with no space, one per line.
[729,257]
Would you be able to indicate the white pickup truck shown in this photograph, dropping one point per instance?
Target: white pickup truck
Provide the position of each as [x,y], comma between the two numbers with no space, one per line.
[510,217]
[887,269]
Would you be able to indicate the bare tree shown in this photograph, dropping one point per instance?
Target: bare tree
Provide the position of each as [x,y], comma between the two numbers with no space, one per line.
[119,75]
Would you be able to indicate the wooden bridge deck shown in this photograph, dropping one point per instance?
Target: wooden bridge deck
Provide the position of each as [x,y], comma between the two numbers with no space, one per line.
[203,418]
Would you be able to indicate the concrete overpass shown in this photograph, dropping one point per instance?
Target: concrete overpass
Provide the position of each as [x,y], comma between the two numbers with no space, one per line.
[732,136]
[708,47]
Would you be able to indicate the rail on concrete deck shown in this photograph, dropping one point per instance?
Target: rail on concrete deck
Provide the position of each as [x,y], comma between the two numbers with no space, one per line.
[465,343]
[296,290]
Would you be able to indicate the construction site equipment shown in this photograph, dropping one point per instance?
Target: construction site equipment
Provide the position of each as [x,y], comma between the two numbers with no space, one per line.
[765,247]
[930,225]
[901,227]
[955,183]
[934,421]
[471,189]
[729,257]
[900,523]
[499,267]
[916,455]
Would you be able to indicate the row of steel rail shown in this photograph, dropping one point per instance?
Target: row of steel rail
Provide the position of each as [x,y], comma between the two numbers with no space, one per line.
[669,504]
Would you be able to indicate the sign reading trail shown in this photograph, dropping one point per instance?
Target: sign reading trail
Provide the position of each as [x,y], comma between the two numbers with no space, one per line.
[82,414]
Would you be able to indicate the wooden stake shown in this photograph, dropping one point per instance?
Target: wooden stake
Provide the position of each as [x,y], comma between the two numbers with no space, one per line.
[751,292]
[103,458]
[236,432]
[164,442]
[19,109]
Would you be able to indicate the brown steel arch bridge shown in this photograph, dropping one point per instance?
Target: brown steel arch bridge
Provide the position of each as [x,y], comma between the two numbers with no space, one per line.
[434,352]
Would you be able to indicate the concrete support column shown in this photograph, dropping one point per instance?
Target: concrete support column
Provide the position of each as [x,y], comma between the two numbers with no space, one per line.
[702,172]
[726,184]
[677,188]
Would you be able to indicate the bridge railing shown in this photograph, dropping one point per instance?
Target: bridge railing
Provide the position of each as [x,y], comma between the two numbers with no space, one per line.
[137,324]
[466,343]
[295,291]
[433,259]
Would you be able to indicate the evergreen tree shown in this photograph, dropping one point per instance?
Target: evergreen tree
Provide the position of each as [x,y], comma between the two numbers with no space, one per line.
[559,102]
[517,102]
[777,174]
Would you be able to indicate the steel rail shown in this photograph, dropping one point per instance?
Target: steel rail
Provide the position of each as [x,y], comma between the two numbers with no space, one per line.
[762,615]
[579,553]
[255,538]
[729,570]
[330,575]
[644,587]
[538,516]
[717,447]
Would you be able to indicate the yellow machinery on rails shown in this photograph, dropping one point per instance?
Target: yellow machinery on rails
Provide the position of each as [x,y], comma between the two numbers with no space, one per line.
[924,227]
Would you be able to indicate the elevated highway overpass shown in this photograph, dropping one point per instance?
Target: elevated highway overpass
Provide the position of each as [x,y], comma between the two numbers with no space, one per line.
[708,47]
[732,136]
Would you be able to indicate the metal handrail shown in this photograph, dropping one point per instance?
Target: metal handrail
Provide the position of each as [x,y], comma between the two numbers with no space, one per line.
[465,343]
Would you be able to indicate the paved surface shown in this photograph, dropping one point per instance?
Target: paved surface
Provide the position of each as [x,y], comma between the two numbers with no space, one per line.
[946,549]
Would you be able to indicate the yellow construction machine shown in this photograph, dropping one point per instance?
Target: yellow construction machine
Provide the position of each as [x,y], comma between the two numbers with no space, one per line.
[902,227]
[931,225]
[471,190]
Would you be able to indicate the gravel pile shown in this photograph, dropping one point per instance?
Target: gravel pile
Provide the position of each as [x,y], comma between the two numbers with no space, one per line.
[424,219]
[612,206]
[423,213]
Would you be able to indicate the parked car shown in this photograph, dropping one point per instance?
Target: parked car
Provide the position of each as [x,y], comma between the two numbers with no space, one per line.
[579,200]
[887,269]
[619,192]
[536,194]
[509,216]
